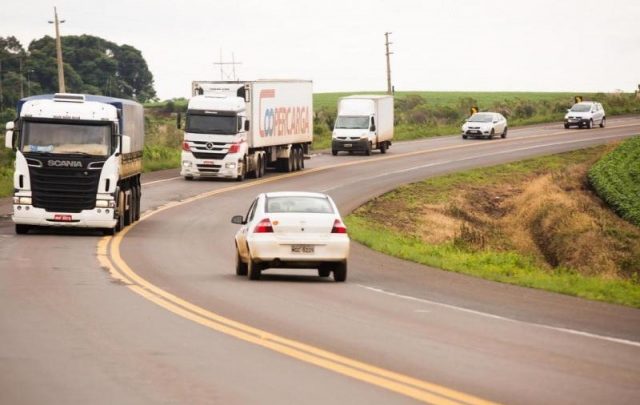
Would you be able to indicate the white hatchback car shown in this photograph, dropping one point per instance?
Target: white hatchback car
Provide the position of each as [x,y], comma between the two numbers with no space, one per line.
[485,125]
[587,114]
[292,230]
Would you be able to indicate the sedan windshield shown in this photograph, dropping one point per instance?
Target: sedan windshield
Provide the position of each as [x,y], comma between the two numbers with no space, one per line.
[581,108]
[348,122]
[481,118]
[299,204]
[90,139]
[212,124]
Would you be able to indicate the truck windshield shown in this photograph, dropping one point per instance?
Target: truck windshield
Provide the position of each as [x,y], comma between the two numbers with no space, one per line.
[68,137]
[350,122]
[212,124]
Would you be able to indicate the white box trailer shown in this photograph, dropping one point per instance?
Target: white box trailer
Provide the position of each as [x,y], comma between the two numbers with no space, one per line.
[238,129]
[364,123]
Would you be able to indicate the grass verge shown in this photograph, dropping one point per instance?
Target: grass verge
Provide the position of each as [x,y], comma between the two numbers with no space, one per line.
[533,223]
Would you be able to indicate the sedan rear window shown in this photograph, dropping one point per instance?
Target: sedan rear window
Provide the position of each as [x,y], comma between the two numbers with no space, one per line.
[299,204]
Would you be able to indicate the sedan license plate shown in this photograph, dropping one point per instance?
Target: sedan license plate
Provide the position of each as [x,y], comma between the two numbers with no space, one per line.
[302,248]
[347,145]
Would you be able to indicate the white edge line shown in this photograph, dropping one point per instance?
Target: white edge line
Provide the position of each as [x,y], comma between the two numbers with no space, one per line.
[502,318]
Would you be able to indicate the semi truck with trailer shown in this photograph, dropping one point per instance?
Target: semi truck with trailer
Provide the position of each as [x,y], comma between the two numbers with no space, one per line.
[78,162]
[364,123]
[238,129]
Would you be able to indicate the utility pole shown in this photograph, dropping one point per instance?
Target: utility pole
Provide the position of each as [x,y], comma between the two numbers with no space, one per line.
[233,63]
[21,80]
[61,86]
[387,43]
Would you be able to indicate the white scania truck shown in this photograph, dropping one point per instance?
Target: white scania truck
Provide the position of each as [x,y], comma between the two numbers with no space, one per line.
[364,123]
[78,161]
[238,129]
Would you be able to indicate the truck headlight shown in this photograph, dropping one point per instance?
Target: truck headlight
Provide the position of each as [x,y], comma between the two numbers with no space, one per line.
[22,200]
[186,163]
[105,203]
[231,165]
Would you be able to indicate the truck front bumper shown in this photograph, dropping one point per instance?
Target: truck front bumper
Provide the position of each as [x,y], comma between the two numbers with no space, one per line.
[94,218]
[359,145]
[196,168]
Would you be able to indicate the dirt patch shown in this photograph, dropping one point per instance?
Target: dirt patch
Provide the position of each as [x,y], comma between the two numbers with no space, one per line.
[551,215]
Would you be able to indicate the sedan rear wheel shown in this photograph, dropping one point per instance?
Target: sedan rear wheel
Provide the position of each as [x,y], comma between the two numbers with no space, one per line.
[253,270]
[340,272]
[241,268]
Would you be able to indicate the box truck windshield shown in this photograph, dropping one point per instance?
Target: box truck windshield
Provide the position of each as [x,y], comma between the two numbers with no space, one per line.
[212,124]
[350,122]
[52,137]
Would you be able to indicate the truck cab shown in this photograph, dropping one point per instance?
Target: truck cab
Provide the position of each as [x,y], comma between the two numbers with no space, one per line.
[73,164]
[215,137]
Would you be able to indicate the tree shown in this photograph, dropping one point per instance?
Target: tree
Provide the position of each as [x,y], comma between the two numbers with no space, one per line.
[12,65]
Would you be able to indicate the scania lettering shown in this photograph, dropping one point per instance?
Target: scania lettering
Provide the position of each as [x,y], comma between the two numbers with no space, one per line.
[78,162]
[238,129]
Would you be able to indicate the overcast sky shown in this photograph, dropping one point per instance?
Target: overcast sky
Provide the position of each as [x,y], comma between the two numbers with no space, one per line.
[510,45]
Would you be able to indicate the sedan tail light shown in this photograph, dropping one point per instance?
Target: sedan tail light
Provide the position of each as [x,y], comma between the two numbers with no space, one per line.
[338,227]
[185,147]
[264,226]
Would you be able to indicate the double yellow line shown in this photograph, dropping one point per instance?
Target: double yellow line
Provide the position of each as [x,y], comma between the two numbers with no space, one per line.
[108,253]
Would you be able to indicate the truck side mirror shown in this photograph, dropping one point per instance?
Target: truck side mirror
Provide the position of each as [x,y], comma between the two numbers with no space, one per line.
[125,144]
[179,120]
[8,137]
[373,127]
[246,125]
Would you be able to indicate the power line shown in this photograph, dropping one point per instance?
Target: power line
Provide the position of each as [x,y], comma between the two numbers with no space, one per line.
[233,63]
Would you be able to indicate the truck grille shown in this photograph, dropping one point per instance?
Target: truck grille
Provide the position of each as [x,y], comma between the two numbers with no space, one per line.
[64,189]
[207,155]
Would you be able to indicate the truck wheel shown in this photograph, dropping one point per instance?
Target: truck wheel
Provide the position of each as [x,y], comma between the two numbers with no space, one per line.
[242,170]
[263,165]
[340,272]
[334,152]
[368,150]
[255,173]
[121,212]
[188,178]
[109,231]
[22,229]
[289,162]
[383,147]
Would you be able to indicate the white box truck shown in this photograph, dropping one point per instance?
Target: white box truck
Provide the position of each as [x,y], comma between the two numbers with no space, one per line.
[238,129]
[364,123]
[78,161]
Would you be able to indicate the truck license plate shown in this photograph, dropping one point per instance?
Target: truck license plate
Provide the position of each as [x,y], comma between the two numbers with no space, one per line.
[62,218]
[347,145]
[208,163]
[302,249]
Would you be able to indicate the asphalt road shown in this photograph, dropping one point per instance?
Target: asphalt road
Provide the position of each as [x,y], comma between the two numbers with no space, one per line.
[157,315]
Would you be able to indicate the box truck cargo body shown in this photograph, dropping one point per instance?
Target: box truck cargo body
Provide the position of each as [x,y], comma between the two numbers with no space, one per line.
[238,129]
[78,161]
[364,123]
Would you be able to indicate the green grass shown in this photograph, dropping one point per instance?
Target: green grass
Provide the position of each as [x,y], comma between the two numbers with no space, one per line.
[158,157]
[616,179]
[502,265]
[505,267]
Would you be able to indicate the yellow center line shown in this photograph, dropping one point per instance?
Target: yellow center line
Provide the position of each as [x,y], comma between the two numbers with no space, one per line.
[108,252]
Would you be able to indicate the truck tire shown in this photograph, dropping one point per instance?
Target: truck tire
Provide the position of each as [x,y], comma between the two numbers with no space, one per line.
[243,170]
[121,212]
[22,229]
[368,150]
[188,178]
[383,147]
[255,173]
[109,231]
